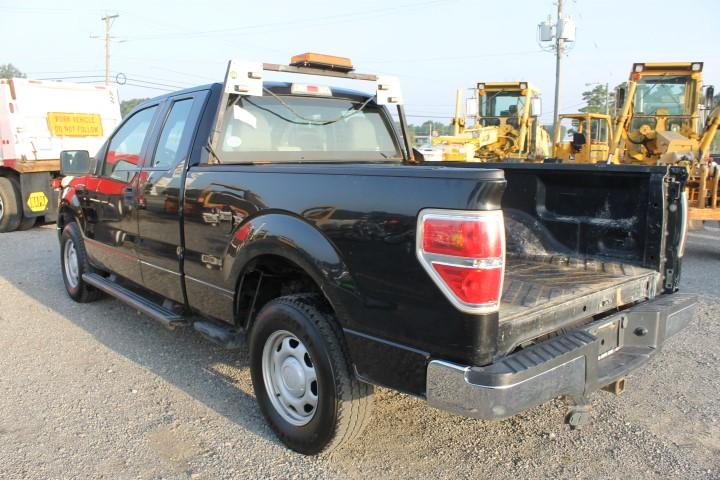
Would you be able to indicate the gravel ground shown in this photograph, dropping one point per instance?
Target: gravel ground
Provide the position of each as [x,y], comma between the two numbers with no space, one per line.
[99,391]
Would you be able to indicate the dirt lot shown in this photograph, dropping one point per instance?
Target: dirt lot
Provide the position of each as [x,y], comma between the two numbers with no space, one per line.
[99,391]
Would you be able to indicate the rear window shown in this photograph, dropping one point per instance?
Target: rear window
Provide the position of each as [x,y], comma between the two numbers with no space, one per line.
[296,129]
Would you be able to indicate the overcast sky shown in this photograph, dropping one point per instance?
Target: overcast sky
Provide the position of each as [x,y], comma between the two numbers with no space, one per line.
[433,46]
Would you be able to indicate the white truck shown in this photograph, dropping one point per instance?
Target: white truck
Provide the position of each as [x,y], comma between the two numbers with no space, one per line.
[38,120]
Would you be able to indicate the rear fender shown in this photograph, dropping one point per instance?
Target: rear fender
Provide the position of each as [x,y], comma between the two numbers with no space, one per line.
[299,242]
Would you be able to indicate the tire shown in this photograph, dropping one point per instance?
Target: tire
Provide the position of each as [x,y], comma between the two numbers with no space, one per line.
[71,241]
[10,206]
[343,404]
[27,223]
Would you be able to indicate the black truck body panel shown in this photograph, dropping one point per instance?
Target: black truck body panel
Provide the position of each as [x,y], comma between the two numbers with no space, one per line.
[359,248]
[352,228]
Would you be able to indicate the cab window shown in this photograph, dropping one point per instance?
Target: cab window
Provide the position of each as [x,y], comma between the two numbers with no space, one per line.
[175,137]
[123,154]
[300,129]
[599,130]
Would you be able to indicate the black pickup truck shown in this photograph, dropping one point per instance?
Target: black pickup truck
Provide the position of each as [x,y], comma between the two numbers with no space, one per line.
[296,216]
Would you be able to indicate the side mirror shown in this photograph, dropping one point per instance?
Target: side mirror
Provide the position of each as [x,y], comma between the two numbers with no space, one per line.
[619,98]
[709,96]
[471,107]
[536,105]
[75,162]
[419,157]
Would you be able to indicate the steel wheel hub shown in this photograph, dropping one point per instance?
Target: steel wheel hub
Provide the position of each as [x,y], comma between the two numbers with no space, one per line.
[72,270]
[2,208]
[293,376]
[290,378]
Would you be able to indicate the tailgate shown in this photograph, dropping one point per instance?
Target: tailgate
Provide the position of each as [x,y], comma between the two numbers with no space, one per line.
[584,241]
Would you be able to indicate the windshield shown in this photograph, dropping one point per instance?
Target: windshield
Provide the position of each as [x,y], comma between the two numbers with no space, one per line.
[662,95]
[501,104]
[295,129]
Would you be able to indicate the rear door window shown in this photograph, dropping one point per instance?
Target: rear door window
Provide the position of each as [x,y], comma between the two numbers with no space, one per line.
[175,137]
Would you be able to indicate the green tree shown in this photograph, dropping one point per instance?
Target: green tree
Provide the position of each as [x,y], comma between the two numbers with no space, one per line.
[8,70]
[595,99]
[425,129]
[126,106]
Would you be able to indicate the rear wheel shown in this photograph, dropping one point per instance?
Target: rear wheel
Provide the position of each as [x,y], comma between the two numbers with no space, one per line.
[10,207]
[302,378]
[27,223]
[74,263]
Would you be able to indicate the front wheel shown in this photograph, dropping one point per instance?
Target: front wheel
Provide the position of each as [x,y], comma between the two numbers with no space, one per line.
[302,378]
[74,263]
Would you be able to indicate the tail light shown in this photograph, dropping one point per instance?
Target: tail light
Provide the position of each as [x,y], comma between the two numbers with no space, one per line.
[464,253]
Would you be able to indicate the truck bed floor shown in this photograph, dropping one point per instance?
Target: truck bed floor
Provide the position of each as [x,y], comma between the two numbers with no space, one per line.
[537,283]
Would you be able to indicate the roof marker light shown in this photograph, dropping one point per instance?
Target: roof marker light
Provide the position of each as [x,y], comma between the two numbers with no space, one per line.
[322,61]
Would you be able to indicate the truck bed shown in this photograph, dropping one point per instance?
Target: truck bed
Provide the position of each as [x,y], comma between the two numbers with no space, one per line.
[538,283]
[545,293]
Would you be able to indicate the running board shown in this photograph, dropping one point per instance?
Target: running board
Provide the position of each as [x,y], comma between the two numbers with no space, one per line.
[225,336]
[168,318]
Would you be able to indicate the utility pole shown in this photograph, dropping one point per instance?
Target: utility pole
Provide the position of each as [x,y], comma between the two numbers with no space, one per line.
[109,20]
[559,48]
[560,34]
[607,98]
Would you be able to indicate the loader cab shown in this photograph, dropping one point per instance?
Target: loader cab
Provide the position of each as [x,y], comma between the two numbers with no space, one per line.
[667,97]
[506,103]
[513,107]
[583,138]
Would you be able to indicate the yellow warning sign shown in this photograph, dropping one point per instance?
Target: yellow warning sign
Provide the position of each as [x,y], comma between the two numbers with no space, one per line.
[37,201]
[75,124]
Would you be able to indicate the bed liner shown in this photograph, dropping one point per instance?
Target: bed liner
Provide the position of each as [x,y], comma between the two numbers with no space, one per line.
[542,293]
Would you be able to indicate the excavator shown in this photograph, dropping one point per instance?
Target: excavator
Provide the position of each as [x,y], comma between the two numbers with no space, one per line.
[662,121]
[505,126]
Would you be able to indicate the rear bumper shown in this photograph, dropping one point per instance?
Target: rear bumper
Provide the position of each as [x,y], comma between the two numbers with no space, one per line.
[575,364]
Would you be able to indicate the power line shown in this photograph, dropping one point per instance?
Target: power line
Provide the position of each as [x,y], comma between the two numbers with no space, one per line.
[149,87]
[328,19]
[439,59]
[52,11]
[133,78]
[62,72]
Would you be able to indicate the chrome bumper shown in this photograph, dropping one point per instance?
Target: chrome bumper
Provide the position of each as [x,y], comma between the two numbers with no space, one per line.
[575,364]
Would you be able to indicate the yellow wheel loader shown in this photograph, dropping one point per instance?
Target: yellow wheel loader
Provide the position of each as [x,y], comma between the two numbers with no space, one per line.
[660,122]
[505,126]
